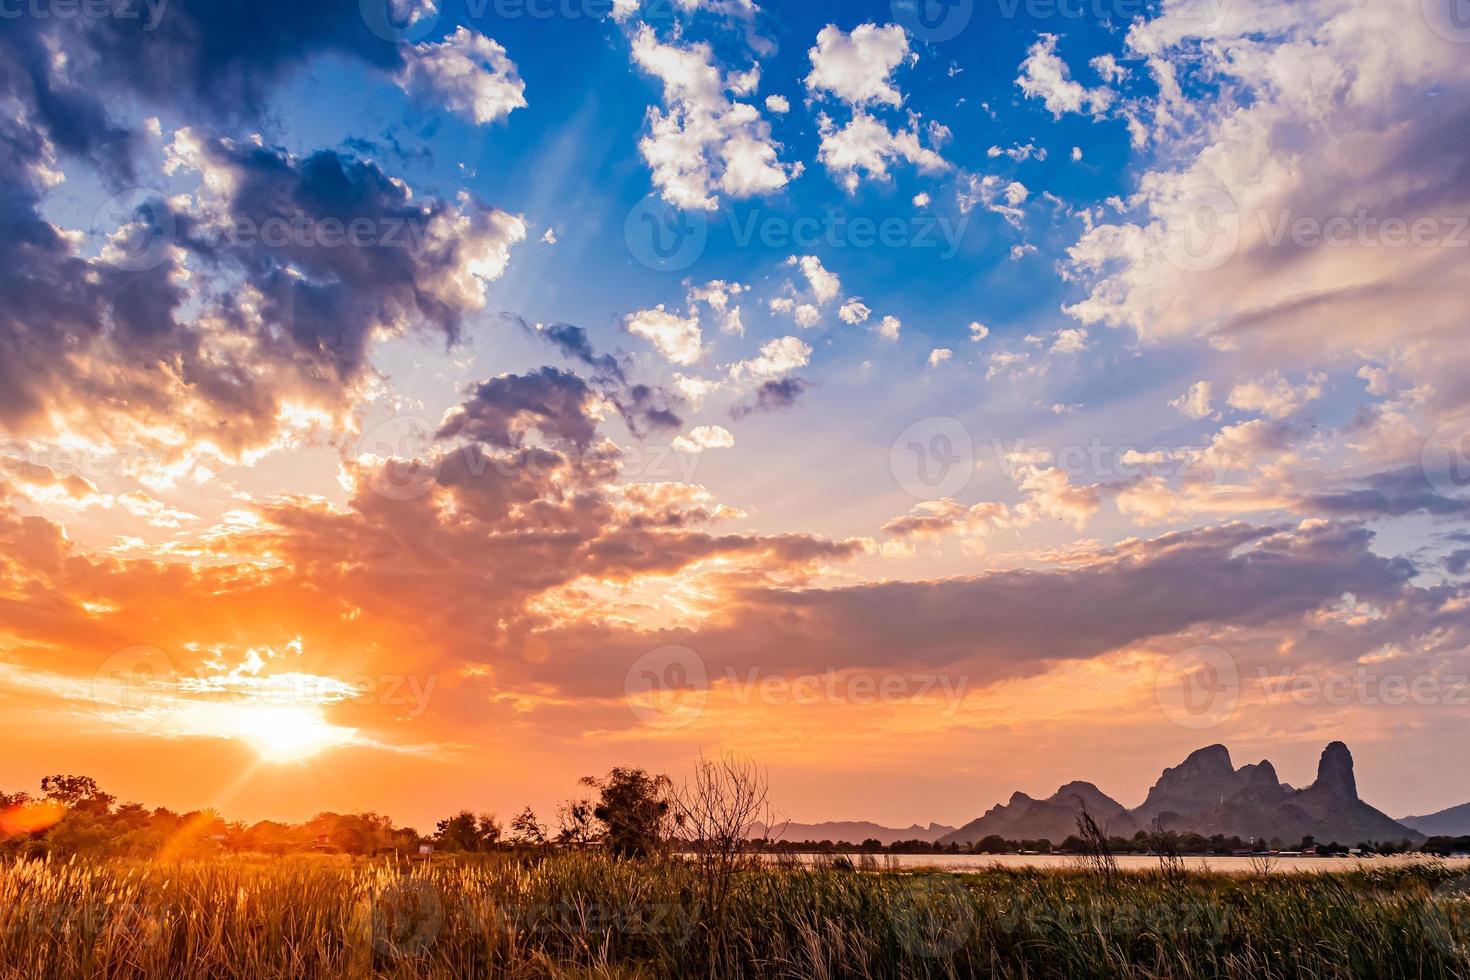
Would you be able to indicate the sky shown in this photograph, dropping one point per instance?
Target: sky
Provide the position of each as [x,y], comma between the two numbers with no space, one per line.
[411,408]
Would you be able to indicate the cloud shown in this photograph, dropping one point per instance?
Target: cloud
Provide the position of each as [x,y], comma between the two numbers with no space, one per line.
[705,437]
[867,147]
[469,73]
[556,404]
[858,67]
[939,355]
[778,357]
[1069,341]
[677,338]
[824,284]
[1194,403]
[702,144]
[772,396]
[1004,197]
[854,311]
[1044,75]
[889,328]
[1273,395]
[1254,282]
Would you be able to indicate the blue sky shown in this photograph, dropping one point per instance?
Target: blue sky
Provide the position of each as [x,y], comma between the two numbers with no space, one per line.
[1060,355]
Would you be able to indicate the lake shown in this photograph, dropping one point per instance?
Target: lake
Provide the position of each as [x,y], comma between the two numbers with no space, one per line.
[1132,862]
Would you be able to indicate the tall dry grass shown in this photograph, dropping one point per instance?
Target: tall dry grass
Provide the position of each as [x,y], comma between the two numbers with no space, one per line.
[582,915]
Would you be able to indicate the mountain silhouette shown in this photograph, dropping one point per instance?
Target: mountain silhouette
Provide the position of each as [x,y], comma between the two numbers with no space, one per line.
[1207,795]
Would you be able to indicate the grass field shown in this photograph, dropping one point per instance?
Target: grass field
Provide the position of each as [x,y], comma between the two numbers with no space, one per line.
[584,915]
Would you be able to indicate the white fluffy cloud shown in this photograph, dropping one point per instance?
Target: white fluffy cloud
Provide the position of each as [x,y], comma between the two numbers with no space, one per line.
[1045,76]
[858,67]
[866,146]
[778,357]
[1352,120]
[1273,395]
[701,143]
[704,437]
[677,338]
[993,193]
[469,72]
[939,355]
[1194,403]
[824,284]
[854,311]
[889,328]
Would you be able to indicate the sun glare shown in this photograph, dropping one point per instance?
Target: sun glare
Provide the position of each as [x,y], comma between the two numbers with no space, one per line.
[290,734]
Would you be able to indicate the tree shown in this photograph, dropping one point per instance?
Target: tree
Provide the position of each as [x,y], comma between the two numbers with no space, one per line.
[575,819]
[715,815]
[526,830]
[633,807]
[77,793]
[466,832]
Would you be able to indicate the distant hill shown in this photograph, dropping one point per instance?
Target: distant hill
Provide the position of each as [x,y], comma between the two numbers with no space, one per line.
[1206,794]
[1054,818]
[1454,822]
[853,831]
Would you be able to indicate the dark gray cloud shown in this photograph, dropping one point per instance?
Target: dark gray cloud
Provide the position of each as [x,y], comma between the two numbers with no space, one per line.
[773,396]
[1396,493]
[499,412]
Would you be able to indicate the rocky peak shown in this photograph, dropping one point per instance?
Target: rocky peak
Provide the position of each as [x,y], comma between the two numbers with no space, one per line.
[1335,772]
[1201,781]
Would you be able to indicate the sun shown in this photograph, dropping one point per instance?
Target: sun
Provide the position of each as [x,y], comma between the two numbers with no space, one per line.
[290,734]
